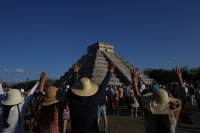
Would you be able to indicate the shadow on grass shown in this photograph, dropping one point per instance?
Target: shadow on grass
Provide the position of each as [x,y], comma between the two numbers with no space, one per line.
[186,128]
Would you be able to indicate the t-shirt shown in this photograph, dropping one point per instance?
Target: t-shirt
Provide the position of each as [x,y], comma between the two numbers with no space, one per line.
[155,87]
[130,93]
[186,91]
[110,94]
[83,110]
[121,91]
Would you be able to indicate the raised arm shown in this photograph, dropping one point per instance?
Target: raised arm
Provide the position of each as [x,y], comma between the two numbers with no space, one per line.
[75,68]
[106,80]
[178,74]
[38,85]
[134,77]
[1,88]
[2,94]
[43,78]
[192,119]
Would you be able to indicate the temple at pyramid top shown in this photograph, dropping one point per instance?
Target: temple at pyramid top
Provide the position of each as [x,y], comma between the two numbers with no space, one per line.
[94,65]
[100,46]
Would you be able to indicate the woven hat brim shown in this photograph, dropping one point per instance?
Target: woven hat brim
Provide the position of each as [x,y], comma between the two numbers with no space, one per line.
[60,96]
[13,101]
[164,108]
[87,92]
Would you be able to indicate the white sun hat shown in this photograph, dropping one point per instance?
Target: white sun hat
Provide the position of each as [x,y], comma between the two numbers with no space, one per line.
[158,102]
[13,97]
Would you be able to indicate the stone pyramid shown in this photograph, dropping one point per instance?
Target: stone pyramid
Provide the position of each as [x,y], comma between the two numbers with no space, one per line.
[94,66]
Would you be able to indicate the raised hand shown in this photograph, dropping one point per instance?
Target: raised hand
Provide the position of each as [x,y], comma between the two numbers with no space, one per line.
[76,67]
[178,72]
[43,77]
[111,67]
[134,74]
[0,80]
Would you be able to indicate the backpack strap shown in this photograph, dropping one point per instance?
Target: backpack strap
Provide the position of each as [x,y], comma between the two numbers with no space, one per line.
[19,118]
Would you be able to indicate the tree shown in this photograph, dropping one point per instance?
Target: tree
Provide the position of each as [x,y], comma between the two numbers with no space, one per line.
[193,71]
[147,71]
[4,84]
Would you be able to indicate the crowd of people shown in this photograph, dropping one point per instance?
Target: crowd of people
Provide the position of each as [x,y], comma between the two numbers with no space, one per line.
[85,102]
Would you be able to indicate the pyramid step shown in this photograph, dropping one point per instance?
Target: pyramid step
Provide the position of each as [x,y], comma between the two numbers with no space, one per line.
[97,62]
[97,55]
[87,67]
[99,80]
[98,58]
[102,71]
[94,75]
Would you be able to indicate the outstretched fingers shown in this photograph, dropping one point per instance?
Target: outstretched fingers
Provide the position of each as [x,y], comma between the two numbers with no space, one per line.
[112,66]
[43,76]
[76,67]
[134,74]
[177,70]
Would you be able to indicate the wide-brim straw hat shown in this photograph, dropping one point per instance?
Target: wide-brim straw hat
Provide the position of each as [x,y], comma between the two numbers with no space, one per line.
[53,96]
[85,88]
[158,102]
[13,97]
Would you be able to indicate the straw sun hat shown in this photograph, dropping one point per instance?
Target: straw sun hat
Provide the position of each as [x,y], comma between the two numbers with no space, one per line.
[13,97]
[85,88]
[53,96]
[158,102]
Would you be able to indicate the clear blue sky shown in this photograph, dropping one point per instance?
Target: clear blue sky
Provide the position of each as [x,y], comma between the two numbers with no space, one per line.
[50,35]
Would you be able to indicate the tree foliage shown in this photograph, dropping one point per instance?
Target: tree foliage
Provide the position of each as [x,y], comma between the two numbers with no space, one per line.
[30,84]
[167,76]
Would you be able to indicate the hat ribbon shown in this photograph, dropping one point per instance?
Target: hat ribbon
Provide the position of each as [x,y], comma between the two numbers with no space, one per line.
[152,103]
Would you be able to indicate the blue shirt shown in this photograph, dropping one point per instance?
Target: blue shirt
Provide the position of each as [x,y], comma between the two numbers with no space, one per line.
[110,94]
[155,87]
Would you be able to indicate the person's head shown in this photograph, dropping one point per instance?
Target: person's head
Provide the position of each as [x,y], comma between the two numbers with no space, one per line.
[13,97]
[49,103]
[110,86]
[115,87]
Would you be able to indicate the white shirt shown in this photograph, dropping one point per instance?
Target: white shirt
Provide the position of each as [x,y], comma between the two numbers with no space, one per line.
[13,118]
